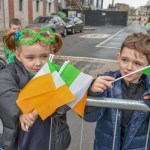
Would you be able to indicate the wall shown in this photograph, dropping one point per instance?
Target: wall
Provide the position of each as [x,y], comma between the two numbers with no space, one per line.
[101,18]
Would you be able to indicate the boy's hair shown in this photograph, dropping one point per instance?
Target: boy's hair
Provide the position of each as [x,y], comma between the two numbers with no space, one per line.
[138,41]
[14,21]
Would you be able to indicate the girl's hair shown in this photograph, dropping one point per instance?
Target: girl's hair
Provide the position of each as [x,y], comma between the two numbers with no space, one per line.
[139,42]
[57,44]
[12,44]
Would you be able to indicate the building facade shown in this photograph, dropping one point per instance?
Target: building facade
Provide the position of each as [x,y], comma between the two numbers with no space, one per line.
[95,4]
[28,10]
[25,10]
[119,7]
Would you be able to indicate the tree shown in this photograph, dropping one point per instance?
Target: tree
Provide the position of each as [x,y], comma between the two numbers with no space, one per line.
[81,4]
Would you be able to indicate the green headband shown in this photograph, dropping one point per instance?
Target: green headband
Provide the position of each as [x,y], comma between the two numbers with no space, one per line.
[44,31]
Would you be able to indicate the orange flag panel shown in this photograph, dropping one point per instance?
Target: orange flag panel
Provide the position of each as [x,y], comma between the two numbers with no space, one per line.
[37,87]
[79,107]
[58,98]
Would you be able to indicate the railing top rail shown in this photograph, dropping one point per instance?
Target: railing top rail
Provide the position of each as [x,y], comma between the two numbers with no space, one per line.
[117,103]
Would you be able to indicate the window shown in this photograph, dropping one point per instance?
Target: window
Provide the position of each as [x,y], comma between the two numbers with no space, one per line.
[37,6]
[75,19]
[91,2]
[49,7]
[97,3]
[20,5]
[1,4]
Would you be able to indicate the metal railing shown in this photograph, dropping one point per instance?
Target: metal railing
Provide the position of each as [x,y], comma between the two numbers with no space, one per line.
[120,104]
[117,103]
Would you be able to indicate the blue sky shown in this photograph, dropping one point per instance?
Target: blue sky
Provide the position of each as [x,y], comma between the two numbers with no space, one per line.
[132,3]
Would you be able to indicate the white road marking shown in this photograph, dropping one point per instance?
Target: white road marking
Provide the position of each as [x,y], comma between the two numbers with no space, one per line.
[110,38]
[110,47]
[99,36]
[119,37]
[90,58]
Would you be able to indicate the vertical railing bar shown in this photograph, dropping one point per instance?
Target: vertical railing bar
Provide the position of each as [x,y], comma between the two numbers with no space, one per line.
[50,137]
[115,130]
[147,135]
[81,138]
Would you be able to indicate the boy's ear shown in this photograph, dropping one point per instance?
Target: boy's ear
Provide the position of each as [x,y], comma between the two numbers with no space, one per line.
[118,56]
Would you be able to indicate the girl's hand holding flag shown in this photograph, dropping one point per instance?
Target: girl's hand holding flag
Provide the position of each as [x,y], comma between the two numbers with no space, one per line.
[45,92]
[28,120]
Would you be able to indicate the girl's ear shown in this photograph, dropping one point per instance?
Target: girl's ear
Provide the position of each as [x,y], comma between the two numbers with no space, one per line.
[18,56]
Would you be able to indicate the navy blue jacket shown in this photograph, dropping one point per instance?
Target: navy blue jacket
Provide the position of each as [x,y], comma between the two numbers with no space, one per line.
[136,131]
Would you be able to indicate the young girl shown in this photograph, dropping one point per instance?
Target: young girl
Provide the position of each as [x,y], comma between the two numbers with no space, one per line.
[32,48]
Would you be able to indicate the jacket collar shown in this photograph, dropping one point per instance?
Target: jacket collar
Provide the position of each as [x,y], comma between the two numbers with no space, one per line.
[20,65]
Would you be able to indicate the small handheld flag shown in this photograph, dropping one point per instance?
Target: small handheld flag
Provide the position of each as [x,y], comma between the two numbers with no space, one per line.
[145,70]
[78,83]
[45,92]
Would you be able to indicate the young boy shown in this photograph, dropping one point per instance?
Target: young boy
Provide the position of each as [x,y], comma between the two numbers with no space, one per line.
[132,127]
[14,26]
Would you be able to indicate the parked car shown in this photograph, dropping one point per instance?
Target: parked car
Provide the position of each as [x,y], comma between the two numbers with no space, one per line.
[54,22]
[73,25]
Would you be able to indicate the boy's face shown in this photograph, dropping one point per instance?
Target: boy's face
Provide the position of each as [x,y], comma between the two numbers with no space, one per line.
[33,57]
[14,28]
[131,60]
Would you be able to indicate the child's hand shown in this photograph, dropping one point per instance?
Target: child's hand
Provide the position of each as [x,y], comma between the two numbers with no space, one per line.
[102,83]
[27,120]
[147,97]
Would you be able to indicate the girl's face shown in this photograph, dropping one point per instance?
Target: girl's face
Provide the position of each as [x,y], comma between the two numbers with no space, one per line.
[131,60]
[33,57]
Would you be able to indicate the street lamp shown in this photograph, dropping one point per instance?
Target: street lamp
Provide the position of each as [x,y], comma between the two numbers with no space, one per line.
[112,3]
[56,2]
[112,7]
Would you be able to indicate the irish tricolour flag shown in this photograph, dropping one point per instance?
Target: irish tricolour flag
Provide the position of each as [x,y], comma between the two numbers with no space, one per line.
[45,92]
[78,83]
